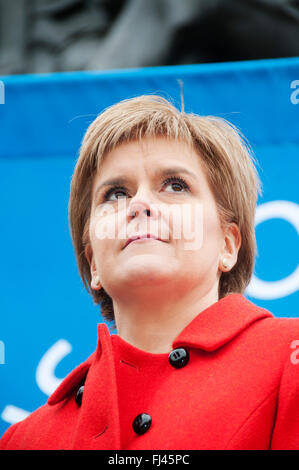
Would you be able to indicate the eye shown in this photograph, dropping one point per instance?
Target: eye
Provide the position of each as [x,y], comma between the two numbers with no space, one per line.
[114,190]
[178,183]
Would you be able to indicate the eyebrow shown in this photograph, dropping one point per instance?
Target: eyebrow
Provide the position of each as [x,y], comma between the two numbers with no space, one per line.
[120,180]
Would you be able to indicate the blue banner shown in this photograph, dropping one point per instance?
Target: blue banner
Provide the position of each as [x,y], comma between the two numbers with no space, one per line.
[48,321]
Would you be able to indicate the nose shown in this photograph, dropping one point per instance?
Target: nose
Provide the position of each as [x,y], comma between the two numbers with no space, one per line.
[142,204]
[134,213]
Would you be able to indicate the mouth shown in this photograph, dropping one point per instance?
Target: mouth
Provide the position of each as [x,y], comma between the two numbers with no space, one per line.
[141,237]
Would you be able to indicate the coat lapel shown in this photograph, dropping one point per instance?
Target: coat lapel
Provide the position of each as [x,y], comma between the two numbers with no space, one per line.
[98,424]
[220,323]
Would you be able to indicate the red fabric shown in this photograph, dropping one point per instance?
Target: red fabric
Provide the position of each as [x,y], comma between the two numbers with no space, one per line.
[239,390]
[133,370]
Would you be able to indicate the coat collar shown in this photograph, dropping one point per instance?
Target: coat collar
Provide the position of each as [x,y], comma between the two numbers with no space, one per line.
[209,330]
[71,382]
[220,322]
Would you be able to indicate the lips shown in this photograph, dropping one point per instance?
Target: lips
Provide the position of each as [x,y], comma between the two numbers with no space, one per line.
[138,237]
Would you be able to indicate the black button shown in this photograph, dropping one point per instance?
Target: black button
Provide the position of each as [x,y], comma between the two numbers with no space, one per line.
[142,423]
[79,395]
[178,358]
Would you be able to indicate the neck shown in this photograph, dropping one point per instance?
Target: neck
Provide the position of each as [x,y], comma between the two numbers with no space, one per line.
[152,323]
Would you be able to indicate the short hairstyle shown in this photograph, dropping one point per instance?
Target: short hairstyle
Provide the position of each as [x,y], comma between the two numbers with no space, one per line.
[227,158]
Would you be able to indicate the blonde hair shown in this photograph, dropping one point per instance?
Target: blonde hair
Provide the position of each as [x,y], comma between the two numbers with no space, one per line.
[228,161]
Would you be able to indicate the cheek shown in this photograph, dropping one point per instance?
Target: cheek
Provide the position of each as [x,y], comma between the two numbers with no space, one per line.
[102,237]
[187,226]
[202,255]
[212,233]
[105,224]
[200,230]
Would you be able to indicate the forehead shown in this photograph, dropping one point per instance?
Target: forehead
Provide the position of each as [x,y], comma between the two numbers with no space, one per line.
[149,154]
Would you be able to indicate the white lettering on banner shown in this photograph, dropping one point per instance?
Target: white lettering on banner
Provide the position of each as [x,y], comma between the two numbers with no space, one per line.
[257,288]
[12,414]
[295,94]
[45,377]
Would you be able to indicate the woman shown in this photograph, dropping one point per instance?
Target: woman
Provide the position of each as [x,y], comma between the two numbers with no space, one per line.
[162,208]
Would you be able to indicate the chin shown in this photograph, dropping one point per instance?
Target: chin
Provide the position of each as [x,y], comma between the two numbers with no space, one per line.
[145,274]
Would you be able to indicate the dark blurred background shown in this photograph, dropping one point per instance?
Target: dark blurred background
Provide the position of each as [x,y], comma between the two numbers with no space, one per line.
[42,36]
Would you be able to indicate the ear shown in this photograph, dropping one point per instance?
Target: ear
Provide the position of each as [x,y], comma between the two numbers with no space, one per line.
[95,280]
[232,242]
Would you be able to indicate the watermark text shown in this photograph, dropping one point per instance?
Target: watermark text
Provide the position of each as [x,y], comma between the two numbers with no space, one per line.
[294,356]
[178,221]
[295,94]
[2,353]
[2,92]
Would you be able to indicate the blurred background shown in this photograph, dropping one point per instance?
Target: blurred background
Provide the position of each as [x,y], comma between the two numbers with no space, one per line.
[42,36]
[62,62]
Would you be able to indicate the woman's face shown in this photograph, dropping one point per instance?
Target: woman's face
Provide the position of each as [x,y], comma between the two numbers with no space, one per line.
[159,188]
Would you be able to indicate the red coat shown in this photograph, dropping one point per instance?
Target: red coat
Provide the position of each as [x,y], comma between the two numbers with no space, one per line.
[238,390]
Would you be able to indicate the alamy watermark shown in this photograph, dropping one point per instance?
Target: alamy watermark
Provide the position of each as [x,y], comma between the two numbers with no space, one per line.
[2,353]
[178,221]
[2,92]
[293,357]
[295,94]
